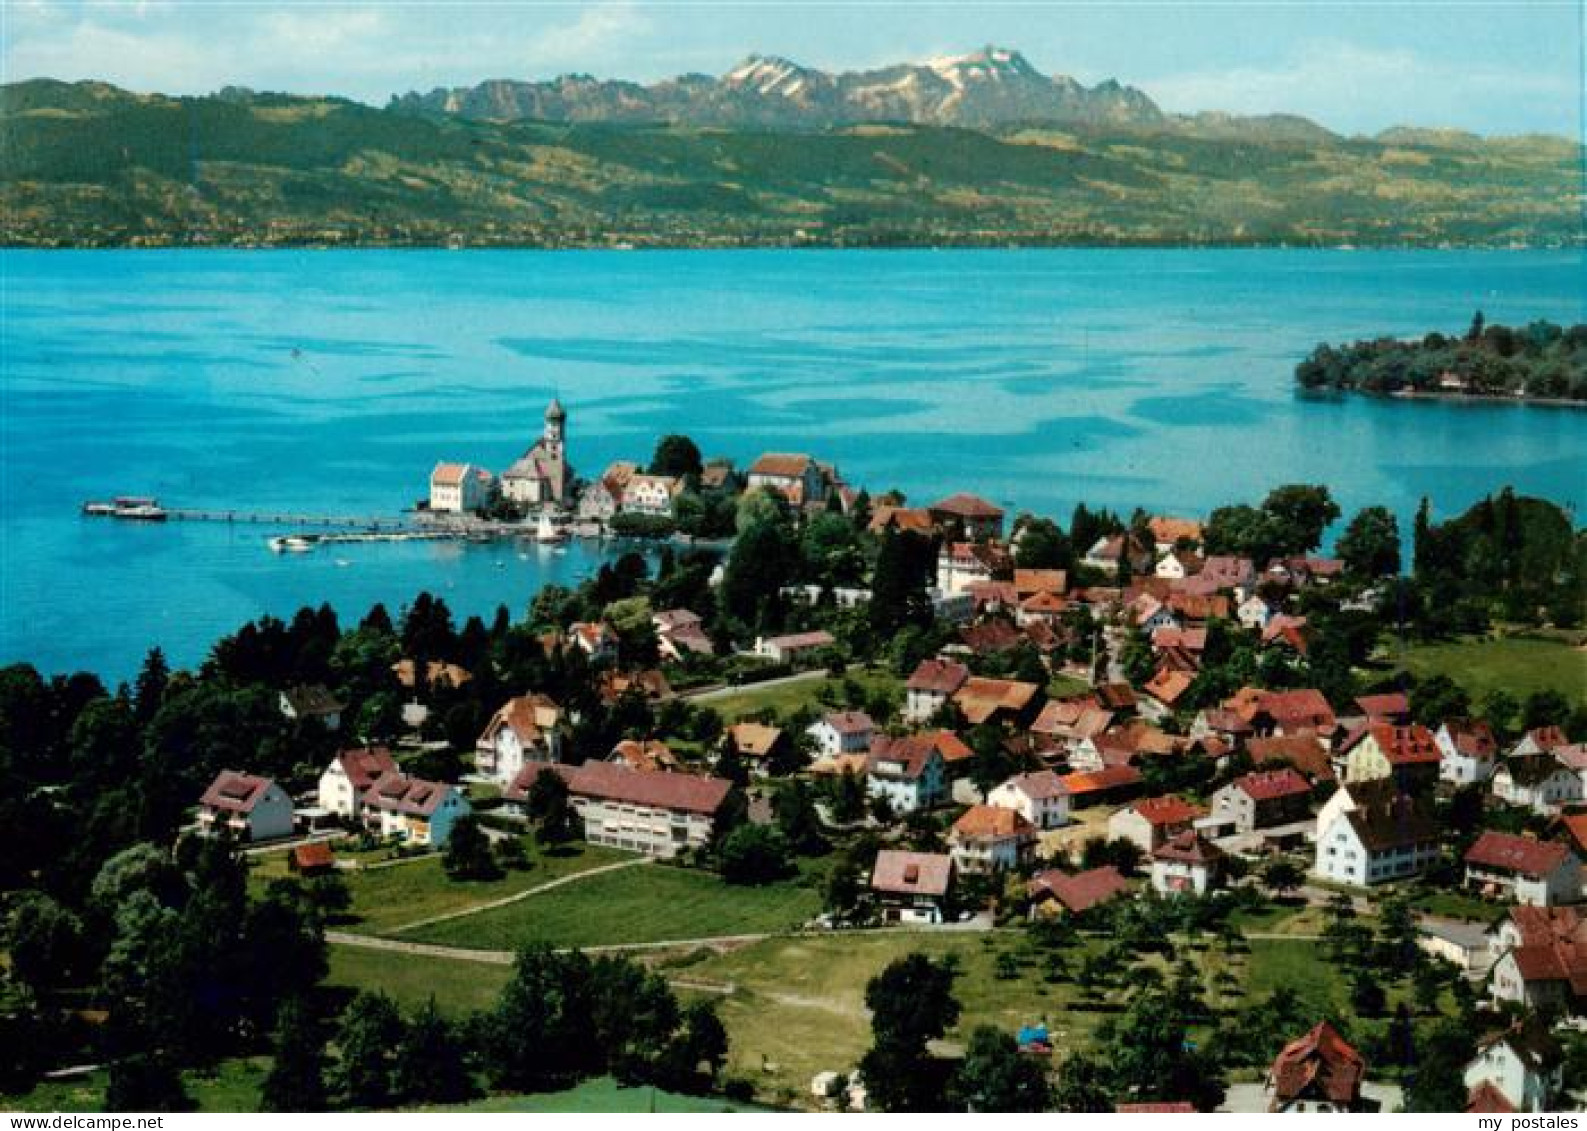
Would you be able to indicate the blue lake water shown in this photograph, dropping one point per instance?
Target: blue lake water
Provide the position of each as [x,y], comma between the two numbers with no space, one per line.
[332,381]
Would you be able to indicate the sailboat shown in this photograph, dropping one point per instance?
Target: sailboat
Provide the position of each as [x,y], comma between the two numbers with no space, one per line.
[546,532]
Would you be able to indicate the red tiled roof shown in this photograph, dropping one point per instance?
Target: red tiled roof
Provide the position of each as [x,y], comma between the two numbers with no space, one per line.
[964,505]
[1391,706]
[1188,848]
[605,781]
[818,639]
[1473,738]
[366,765]
[1099,781]
[314,854]
[1167,686]
[942,677]
[1265,785]
[1168,810]
[402,794]
[1302,751]
[1320,1060]
[980,698]
[912,873]
[849,722]
[1081,891]
[991,822]
[1027,581]
[753,740]
[780,465]
[1038,786]
[235,792]
[1405,746]
[1519,854]
[1575,825]
[1486,1099]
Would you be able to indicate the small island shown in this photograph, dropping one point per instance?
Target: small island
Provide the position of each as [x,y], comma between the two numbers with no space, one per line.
[1539,363]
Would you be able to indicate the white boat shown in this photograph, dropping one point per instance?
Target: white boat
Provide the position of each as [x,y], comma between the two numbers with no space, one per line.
[291,544]
[547,531]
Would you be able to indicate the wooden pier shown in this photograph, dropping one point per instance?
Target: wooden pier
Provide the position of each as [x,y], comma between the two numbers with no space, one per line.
[288,518]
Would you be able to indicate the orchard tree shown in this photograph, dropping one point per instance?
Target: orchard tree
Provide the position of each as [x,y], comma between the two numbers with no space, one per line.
[996,1077]
[296,1080]
[911,1004]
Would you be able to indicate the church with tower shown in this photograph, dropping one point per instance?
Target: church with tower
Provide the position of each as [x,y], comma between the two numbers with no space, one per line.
[542,475]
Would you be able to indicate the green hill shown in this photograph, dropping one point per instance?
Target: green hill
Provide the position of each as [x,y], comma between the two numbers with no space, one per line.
[89,165]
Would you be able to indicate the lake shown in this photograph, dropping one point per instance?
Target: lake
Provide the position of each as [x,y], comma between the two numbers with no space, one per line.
[333,381]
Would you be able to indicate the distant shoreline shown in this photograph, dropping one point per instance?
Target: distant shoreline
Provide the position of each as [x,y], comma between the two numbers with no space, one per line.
[1444,398]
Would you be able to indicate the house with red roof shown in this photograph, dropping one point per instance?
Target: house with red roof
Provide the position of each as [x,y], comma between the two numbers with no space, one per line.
[1089,787]
[413,809]
[1407,754]
[244,807]
[842,732]
[658,814]
[1522,869]
[1318,1072]
[1264,799]
[1186,864]
[460,488]
[1539,740]
[1539,782]
[913,887]
[1371,833]
[976,517]
[931,685]
[997,701]
[793,475]
[1055,893]
[1150,822]
[347,780]
[1040,797]
[963,564]
[1542,959]
[644,754]
[1524,1065]
[910,773]
[1468,751]
[794,647]
[527,728]
[314,858]
[987,838]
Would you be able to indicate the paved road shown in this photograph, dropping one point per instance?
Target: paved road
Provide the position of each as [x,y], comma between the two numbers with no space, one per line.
[491,905]
[723,692]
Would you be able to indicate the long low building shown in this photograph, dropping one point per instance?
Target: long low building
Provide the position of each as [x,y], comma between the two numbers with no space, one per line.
[659,814]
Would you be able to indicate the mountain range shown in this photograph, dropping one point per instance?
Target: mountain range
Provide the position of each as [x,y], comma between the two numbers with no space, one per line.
[986,89]
[980,150]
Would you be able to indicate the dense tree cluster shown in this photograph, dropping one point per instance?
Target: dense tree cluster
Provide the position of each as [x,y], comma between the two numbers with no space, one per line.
[1537,360]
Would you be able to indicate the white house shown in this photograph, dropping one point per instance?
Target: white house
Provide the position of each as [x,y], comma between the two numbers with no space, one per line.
[908,772]
[1369,833]
[1468,751]
[989,839]
[1521,869]
[1542,958]
[245,807]
[1254,612]
[794,476]
[931,685]
[912,887]
[651,494]
[460,488]
[347,780]
[1524,1064]
[1539,782]
[793,647]
[842,732]
[1148,823]
[1040,797]
[1186,865]
[526,729]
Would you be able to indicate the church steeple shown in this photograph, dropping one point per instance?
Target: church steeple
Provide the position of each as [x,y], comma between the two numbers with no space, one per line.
[556,422]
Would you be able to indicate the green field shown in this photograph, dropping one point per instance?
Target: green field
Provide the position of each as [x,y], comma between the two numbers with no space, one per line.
[233,1085]
[1518,665]
[460,986]
[785,698]
[602,1094]
[387,898]
[652,903]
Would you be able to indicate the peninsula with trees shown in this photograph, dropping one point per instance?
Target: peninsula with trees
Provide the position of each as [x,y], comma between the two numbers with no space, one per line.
[1538,362]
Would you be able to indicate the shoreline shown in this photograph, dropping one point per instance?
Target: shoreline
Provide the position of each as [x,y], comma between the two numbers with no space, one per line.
[1443,398]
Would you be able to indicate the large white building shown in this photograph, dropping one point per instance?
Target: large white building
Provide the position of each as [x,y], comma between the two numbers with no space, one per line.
[1040,797]
[525,730]
[1369,833]
[460,488]
[542,475]
[346,782]
[659,814]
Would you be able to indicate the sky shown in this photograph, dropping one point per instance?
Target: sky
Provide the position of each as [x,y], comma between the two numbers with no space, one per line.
[1357,67]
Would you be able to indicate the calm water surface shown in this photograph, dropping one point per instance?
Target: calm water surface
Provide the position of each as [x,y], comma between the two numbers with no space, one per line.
[329,381]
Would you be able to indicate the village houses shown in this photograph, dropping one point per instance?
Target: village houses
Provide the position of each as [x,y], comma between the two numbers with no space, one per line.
[245,807]
[526,729]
